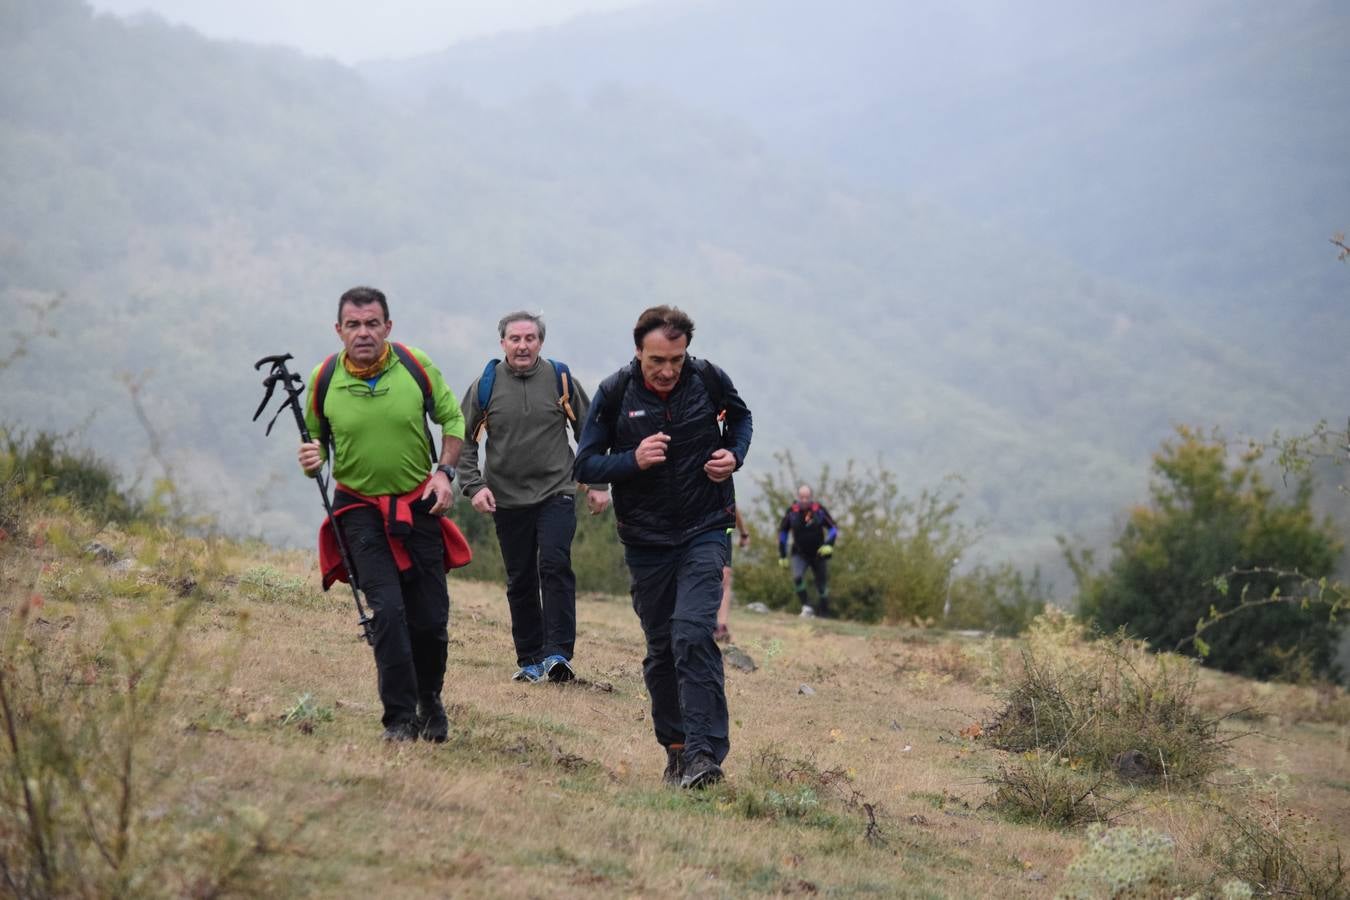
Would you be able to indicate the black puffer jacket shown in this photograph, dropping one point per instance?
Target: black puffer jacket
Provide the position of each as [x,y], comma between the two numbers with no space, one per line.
[670,503]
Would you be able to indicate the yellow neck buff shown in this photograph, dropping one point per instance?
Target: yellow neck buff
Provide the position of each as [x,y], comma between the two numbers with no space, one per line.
[370,371]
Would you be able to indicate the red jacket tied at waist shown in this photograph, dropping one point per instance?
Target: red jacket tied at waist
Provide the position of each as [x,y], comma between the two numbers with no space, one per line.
[396,512]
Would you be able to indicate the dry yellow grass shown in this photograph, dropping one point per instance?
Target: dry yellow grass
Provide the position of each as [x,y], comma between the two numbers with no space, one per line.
[554,790]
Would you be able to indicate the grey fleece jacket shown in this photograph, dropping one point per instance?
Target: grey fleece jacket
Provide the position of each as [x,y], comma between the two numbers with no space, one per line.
[528,456]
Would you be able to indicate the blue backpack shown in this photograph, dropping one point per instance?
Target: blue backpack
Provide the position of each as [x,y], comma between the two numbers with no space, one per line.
[561,374]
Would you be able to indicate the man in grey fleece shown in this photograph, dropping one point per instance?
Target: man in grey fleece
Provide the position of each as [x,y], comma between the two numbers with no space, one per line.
[528,490]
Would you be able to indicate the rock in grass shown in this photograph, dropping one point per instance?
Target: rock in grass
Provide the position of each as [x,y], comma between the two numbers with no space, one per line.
[737,657]
[806,690]
[1133,765]
[101,552]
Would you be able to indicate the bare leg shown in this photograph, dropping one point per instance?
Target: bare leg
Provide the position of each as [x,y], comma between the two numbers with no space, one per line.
[722,633]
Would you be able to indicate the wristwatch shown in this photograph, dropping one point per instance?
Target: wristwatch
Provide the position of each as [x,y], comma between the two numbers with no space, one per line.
[447,471]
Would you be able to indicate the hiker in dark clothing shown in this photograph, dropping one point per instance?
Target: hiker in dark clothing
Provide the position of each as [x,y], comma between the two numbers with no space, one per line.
[655,434]
[813,533]
[369,405]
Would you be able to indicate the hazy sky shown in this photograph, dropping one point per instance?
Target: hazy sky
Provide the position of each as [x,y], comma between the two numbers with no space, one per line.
[355,30]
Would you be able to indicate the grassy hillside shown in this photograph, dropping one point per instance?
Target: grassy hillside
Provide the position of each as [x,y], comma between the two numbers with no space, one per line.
[858,764]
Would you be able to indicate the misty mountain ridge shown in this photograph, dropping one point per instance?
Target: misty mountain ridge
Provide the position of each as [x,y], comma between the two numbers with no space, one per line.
[1156,143]
[198,205]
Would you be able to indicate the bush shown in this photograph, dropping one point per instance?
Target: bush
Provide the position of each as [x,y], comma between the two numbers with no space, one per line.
[83,771]
[1216,549]
[1276,851]
[1107,705]
[1050,790]
[1120,862]
[894,557]
[44,467]
[999,599]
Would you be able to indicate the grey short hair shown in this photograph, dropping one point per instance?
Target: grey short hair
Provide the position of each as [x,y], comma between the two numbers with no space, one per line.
[520,316]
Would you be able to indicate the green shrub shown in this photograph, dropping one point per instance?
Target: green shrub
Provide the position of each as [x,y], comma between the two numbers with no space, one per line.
[1050,790]
[1216,540]
[44,467]
[999,599]
[894,559]
[85,769]
[1277,851]
[797,790]
[1120,862]
[1107,705]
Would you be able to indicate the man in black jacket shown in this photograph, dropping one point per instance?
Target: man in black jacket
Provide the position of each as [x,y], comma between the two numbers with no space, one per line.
[666,432]
[813,534]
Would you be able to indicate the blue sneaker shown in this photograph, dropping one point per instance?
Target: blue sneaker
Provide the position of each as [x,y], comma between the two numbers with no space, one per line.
[533,673]
[558,668]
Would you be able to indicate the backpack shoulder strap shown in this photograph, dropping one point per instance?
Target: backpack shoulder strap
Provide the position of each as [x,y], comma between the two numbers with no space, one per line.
[419,374]
[486,382]
[316,401]
[563,376]
[615,386]
[712,383]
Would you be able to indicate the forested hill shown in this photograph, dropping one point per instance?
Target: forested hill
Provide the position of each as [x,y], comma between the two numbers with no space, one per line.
[1192,148]
[195,205]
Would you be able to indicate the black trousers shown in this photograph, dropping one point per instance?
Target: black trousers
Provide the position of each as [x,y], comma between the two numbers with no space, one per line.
[541,589]
[410,611]
[676,594]
[819,566]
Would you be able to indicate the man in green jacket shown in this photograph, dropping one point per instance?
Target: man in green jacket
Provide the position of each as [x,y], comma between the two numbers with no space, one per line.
[528,490]
[389,499]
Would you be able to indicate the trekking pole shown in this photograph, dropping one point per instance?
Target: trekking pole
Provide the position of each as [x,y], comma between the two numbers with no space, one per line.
[294,386]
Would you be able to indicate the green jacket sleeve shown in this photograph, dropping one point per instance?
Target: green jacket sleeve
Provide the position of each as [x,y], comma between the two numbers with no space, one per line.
[447,412]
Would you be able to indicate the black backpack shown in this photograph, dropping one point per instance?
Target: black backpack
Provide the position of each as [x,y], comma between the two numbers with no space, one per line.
[711,383]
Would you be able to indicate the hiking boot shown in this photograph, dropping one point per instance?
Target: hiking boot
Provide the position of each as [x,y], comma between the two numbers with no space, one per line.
[674,766]
[432,723]
[400,732]
[533,673]
[558,669]
[700,772]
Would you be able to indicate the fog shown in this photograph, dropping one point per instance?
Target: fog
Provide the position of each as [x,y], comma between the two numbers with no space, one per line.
[997,250]
[358,30]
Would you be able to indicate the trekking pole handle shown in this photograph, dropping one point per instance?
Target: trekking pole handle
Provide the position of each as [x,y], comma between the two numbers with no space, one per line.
[291,383]
[278,359]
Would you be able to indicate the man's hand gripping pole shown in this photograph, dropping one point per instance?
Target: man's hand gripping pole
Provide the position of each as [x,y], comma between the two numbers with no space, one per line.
[294,386]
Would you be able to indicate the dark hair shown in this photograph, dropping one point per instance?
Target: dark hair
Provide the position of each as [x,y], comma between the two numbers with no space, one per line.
[363,296]
[520,316]
[670,319]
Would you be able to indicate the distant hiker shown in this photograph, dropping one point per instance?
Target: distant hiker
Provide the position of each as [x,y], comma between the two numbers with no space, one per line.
[813,533]
[722,633]
[655,433]
[526,406]
[369,403]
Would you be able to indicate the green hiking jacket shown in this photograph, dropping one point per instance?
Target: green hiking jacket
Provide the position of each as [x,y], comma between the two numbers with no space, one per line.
[379,444]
